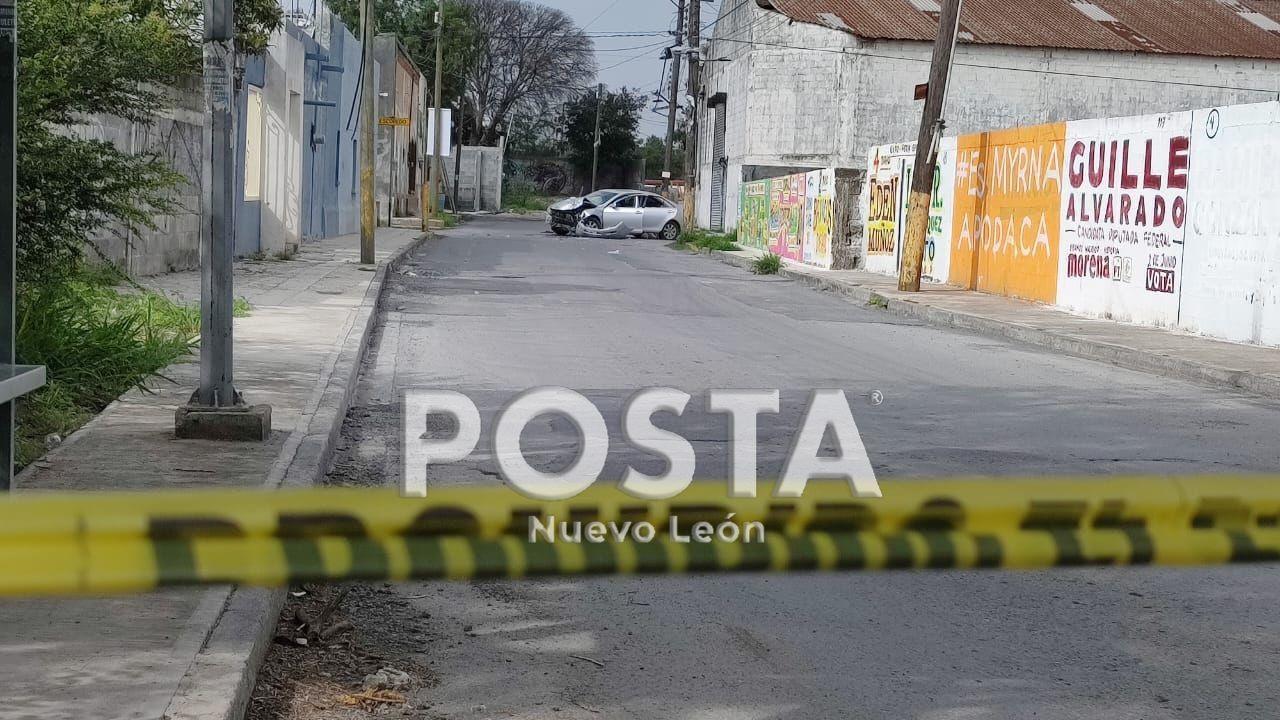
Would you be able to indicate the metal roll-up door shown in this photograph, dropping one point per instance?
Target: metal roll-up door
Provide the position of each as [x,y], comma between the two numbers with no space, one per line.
[718,168]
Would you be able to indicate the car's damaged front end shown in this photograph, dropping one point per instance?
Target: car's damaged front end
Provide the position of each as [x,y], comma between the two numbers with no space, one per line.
[564,216]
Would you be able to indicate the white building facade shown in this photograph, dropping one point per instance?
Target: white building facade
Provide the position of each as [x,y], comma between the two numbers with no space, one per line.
[790,85]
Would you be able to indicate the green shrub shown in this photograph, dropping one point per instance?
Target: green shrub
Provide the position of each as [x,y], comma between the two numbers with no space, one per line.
[767,264]
[96,342]
[703,240]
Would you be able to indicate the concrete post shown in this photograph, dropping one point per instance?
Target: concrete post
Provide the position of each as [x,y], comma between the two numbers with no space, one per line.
[673,97]
[216,410]
[217,246]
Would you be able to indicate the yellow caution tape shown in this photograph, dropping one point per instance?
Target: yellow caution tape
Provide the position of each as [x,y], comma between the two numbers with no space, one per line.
[107,543]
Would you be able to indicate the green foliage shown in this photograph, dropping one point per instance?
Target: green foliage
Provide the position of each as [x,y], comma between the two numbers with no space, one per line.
[413,21]
[78,58]
[654,153]
[520,194]
[619,120]
[767,264]
[703,240]
[96,342]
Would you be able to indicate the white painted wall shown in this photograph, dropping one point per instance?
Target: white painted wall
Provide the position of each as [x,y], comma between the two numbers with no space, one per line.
[281,189]
[1123,217]
[1231,288]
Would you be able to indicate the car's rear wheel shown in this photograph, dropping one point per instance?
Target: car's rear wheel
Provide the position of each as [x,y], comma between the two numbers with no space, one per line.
[592,222]
[671,230]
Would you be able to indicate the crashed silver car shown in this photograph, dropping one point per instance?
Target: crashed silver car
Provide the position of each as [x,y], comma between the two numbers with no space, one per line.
[616,213]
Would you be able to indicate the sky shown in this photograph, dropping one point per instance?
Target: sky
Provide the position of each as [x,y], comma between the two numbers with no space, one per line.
[631,61]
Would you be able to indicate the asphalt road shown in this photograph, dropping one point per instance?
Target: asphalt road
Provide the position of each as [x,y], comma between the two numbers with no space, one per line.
[499,306]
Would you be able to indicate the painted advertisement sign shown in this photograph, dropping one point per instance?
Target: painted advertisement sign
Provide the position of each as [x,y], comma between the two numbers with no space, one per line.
[936,264]
[886,193]
[1231,286]
[1124,212]
[786,216]
[753,218]
[819,217]
[1008,196]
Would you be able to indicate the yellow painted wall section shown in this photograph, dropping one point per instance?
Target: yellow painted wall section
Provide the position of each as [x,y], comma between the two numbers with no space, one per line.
[1008,198]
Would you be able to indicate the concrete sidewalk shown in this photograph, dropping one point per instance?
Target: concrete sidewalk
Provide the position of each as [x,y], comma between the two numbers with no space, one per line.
[1167,352]
[192,653]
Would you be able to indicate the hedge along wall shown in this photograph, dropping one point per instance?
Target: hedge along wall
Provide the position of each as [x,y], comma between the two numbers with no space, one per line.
[1161,220]
[793,216]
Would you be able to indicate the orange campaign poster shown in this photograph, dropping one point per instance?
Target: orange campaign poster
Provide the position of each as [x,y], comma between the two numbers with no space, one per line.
[1007,212]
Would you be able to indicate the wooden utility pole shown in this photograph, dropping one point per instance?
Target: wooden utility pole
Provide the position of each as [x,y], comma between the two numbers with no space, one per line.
[694,90]
[368,221]
[913,239]
[673,95]
[595,155]
[437,167]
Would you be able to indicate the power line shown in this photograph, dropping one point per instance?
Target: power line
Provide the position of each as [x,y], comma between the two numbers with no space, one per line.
[602,12]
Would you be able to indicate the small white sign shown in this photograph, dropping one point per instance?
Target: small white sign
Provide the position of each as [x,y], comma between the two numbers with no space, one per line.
[446,128]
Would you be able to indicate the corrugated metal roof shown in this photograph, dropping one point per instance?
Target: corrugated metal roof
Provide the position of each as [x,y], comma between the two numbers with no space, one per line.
[1221,28]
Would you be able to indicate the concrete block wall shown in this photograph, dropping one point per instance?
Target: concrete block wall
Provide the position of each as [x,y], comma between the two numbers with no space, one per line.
[484,163]
[826,105]
[175,135]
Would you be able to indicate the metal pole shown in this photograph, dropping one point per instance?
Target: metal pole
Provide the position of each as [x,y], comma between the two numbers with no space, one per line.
[391,167]
[217,236]
[694,90]
[595,153]
[673,99]
[368,221]
[457,147]
[913,239]
[8,225]
[436,166]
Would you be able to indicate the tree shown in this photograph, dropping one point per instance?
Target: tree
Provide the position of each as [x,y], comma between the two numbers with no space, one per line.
[619,119]
[654,152]
[84,57]
[529,58]
[413,21]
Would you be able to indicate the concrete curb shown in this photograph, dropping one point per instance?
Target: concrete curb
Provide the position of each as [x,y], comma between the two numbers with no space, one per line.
[1113,353]
[220,680]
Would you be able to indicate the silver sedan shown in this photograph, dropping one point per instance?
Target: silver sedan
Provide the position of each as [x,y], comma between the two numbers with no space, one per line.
[617,212]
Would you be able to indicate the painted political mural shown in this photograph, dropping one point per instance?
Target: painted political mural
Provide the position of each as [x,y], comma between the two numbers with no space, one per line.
[1231,278]
[936,264]
[883,205]
[786,216]
[1124,212]
[1164,220]
[1008,197]
[793,216]
[753,214]
[819,217]
[887,195]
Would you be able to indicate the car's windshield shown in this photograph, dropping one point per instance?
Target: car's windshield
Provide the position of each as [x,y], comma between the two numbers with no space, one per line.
[599,198]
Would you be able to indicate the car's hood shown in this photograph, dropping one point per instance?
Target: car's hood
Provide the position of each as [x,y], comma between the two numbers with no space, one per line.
[572,203]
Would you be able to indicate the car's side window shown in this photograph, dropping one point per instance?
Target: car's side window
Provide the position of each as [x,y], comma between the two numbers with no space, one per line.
[654,201]
[627,203]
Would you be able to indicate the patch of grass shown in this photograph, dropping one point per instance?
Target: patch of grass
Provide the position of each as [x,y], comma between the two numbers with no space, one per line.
[451,219]
[96,341]
[878,301]
[288,253]
[703,240]
[767,264]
